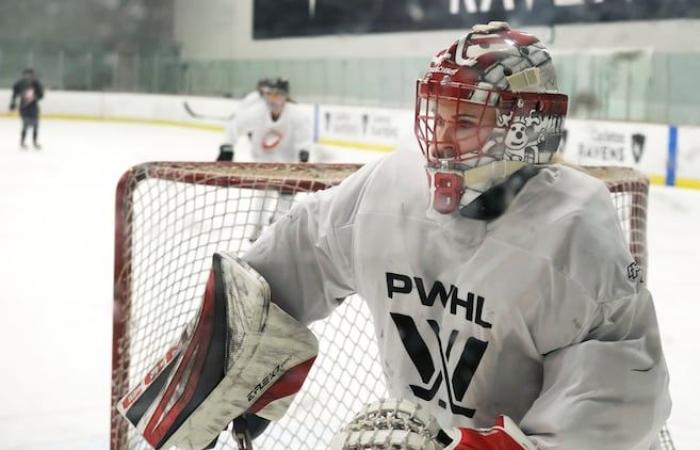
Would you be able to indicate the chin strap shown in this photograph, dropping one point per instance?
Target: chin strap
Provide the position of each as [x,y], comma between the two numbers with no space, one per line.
[494,201]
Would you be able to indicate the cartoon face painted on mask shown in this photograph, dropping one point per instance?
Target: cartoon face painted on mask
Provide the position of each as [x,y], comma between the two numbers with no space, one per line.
[523,138]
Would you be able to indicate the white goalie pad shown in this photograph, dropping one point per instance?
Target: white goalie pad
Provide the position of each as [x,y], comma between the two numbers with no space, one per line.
[241,353]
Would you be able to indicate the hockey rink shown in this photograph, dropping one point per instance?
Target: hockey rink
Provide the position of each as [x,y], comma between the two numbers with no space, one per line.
[57,247]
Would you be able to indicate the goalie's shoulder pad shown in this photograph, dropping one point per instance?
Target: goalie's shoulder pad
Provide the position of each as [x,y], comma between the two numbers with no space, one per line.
[241,353]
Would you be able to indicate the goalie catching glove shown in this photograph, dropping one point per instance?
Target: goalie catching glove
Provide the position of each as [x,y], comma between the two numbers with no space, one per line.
[404,425]
[241,354]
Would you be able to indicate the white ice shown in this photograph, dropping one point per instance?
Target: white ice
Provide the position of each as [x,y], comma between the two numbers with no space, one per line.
[56,263]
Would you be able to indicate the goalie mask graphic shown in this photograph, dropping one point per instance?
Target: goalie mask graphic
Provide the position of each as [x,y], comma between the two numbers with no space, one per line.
[491,96]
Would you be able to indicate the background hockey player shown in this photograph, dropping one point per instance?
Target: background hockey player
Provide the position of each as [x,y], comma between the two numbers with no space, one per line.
[29,91]
[279,131]
[505,300]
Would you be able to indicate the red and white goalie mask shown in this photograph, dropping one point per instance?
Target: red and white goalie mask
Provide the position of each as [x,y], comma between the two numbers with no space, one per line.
[490,98]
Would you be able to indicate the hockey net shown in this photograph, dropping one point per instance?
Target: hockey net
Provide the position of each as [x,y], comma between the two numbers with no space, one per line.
[171,218]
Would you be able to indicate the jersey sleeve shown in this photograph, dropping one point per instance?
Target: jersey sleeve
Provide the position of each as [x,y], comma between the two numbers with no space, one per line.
[245,121]
[607,388]
[249,100]
[303,134]
[307,255]
[39,90]
[609,391]
[231,131]
[16,92]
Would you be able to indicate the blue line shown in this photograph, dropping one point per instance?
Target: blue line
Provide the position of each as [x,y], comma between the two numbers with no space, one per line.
[672,155]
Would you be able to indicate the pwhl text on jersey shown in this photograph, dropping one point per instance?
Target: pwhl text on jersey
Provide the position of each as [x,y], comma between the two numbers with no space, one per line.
[397,283]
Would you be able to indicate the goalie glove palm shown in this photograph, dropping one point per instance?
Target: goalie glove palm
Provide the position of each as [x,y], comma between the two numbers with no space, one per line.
[241,353]
[405,425]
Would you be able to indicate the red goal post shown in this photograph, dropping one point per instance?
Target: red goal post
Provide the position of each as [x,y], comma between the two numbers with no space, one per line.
[171,217]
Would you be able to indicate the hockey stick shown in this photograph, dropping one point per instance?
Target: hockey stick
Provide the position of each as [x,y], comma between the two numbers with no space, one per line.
[196,115]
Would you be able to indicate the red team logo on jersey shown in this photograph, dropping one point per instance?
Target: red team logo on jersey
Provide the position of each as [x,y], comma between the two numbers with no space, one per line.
[271,139]
[28,95]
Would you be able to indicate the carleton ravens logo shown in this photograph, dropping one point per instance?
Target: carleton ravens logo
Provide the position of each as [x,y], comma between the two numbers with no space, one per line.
[638,146]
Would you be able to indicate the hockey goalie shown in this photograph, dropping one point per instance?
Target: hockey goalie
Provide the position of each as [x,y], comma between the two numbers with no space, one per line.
[240,360]
[508,310]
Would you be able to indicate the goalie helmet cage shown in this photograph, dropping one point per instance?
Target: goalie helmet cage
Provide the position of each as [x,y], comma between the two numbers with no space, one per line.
[171,217]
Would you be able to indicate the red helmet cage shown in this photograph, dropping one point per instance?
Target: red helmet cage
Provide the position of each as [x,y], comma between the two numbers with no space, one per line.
[491,67]
[490,96]
[508,104]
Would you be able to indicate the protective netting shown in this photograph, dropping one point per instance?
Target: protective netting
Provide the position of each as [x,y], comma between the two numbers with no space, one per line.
[171,218]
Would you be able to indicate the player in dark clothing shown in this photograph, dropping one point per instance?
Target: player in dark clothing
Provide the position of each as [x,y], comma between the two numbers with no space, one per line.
[30,91]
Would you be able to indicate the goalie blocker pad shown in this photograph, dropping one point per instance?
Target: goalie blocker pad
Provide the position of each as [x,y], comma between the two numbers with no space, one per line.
[240,354]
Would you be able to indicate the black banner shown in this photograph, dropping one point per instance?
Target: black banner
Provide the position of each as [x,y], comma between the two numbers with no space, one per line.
[285,18]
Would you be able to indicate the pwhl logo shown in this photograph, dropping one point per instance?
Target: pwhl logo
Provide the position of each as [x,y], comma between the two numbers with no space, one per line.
[433,375]
[468,306]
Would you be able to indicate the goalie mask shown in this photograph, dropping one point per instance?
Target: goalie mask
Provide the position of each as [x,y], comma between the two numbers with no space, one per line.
[490,99]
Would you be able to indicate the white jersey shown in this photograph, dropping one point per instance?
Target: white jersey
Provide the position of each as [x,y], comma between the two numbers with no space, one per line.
[541,314]
[274,140]
[251,99]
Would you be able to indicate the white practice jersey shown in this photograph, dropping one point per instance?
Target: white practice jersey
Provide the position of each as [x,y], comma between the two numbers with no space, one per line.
[541,314]
[251,99]
[273,140]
